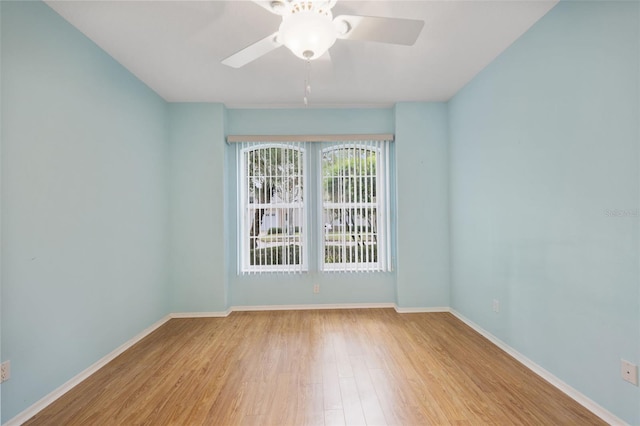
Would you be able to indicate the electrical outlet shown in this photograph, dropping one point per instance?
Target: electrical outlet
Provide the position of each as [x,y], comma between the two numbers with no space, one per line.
[496,305]
[629,372]
[316,288]
[5,371]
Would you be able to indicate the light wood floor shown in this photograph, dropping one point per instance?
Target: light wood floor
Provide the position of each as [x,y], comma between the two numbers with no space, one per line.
[353,367]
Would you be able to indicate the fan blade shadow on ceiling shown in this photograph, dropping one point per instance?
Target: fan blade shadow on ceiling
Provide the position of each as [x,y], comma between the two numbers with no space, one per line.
[253,51]
[382,30]
[202,16]
[322,69]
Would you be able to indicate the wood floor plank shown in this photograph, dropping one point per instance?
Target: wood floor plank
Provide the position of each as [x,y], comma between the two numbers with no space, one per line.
[334,418]
[368,398]
[331,387]
[351,405]
[329,367]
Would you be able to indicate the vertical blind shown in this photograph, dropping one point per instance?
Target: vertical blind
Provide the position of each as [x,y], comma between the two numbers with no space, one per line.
[355,186]
[348,217]
[272,214]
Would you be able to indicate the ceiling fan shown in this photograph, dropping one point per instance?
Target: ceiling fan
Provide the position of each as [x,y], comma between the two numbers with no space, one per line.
[308,29]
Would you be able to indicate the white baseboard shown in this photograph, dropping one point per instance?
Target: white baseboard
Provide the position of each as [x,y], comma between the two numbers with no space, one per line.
[66,387]
[439,309]
[312,307]
[201,314]
[256,308]
[577,396]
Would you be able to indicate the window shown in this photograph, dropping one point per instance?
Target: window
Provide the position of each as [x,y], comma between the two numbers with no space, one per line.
[348,217]
[272,199]
[354,207]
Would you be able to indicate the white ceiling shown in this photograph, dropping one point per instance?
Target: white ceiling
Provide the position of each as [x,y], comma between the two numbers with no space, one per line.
[175,47]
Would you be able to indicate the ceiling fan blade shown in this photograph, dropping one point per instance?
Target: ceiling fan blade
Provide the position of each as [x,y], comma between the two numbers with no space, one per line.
[383,30]
[253,51]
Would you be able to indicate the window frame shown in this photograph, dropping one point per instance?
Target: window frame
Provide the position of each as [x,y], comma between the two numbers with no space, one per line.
[381,206]
[311,216]
[244,207]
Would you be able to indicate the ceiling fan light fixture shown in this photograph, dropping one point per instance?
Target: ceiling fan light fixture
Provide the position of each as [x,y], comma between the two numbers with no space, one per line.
[308,33]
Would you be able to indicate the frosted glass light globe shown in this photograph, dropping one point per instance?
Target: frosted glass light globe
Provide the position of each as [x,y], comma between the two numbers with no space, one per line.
[307,34]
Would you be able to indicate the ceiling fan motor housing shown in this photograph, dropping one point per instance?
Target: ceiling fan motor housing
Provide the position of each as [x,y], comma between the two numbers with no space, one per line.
[308,29]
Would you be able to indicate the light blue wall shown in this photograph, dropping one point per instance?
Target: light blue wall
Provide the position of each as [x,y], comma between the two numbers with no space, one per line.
[279,289]
[84,203]
[420,210]
[309,121]
[544,143]
[423,205]
[198,244]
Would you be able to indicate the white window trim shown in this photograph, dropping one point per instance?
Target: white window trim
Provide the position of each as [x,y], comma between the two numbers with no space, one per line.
[244,221]
[383,212]
[379,142]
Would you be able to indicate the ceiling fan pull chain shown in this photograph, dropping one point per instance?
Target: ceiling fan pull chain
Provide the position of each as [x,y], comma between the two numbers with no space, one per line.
[307,83]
